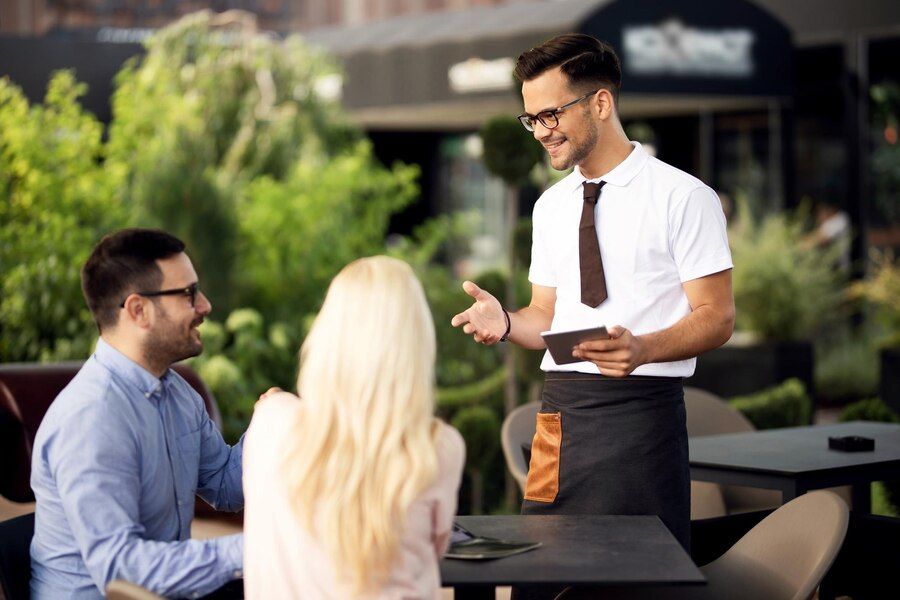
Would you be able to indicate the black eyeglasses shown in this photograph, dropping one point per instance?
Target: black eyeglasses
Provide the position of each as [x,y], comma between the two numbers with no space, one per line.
[550,118]
[190,291]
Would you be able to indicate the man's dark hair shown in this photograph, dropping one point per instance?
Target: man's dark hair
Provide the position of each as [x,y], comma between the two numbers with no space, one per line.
[585,60]
[122,263]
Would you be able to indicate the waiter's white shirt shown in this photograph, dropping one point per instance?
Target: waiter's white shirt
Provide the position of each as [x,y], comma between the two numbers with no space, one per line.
[657,227]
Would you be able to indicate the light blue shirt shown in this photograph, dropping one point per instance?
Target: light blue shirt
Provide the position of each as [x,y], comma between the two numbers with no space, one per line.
[116,464]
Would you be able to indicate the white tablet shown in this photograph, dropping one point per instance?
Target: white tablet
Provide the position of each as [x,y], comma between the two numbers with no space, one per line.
[561,343]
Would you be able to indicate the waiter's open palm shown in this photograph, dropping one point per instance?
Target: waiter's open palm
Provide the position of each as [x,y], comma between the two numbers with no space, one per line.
[483,320]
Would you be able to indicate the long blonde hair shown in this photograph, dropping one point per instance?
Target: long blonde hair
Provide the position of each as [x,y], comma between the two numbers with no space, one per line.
[364,444]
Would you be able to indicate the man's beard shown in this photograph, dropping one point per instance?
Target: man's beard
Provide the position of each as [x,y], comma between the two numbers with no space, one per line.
[580,152]
[168,345]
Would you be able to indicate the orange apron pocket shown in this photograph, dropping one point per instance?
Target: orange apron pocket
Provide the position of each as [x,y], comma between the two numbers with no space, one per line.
[542,483]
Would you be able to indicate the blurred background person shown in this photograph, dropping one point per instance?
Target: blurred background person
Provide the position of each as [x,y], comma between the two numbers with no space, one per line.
[351,491]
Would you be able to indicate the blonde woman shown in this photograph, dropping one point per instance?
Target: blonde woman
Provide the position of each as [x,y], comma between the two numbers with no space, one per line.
[351,491]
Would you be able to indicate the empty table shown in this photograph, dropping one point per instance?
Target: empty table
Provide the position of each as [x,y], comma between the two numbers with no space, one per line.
[796,460]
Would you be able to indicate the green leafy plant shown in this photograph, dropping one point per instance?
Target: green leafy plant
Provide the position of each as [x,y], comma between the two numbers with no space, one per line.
[211,107]
[510,152]
[57,202]
[784,289]
[242,358]
[480,427]
[885,494]
[846,367]
[881,290]
[785,405]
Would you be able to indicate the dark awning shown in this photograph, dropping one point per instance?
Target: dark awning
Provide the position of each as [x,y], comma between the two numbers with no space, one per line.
[452,70]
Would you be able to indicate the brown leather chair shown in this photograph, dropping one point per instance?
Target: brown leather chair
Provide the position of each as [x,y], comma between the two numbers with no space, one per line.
[26,392]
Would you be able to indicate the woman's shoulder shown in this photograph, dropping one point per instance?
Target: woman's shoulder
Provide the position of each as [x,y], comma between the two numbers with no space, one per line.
[273,414]
[451,447]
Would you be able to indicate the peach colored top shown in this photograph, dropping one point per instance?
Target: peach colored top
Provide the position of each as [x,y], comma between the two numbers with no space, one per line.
[281,560]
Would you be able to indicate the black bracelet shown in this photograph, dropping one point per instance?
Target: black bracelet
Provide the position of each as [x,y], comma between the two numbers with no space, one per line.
[508,325]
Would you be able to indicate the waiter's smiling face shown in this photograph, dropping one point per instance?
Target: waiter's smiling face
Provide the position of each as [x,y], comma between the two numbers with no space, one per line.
[578,132]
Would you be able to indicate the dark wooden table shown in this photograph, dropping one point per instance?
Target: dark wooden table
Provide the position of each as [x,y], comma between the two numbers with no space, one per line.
[796,460]
[588,550]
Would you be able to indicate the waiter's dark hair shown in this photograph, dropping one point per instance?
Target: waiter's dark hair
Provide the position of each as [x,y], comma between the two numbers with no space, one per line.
[585,60]
[122,263]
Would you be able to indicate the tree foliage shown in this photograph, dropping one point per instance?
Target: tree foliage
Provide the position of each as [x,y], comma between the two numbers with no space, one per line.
[210,108]
[57,201]
[510,152]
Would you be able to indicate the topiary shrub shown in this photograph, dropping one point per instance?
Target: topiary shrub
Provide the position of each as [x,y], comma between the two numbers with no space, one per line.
[873,409]
[480,427]
[785,405]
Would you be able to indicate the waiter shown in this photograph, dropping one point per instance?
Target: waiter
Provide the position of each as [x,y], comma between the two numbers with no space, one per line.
[629,242]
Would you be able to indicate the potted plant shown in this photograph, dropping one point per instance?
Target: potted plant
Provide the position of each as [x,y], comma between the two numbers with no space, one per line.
[785,289]
[881,291]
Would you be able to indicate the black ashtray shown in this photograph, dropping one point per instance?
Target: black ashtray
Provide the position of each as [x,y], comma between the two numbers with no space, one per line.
[851,443]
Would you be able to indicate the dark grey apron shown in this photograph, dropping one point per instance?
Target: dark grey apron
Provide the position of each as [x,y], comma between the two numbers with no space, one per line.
[622,450]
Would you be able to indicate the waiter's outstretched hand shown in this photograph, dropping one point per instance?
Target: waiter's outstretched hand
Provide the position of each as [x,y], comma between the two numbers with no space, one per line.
[483,320]
[618,356]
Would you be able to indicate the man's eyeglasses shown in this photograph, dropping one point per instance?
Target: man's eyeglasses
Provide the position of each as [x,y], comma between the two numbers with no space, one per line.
[190,291]
[550,118]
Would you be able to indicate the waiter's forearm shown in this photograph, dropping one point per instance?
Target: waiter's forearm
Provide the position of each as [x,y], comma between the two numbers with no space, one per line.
[527,324]
[705,328]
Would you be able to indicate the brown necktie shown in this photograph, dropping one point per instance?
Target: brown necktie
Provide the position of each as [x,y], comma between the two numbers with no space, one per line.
[593,284]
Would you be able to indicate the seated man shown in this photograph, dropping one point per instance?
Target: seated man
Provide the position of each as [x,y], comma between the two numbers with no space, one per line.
[127,444]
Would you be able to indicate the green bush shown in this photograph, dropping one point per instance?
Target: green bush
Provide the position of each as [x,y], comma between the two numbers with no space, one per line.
[784,289]
[297,233]
[214,115]
[885,493]
[785,405]
[881,291]
[846,367]
[480,427]
[873,409]
[243,358]
[57,202]
[510,152]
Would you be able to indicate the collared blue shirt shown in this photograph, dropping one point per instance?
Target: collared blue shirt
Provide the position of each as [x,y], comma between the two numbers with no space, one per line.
[116,464]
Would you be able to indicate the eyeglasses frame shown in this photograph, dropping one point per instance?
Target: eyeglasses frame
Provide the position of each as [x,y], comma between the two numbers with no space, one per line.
[527,120]
[191,291]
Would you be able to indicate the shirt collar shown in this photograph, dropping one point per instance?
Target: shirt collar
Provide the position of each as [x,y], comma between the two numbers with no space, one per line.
[622,174]
[129,370]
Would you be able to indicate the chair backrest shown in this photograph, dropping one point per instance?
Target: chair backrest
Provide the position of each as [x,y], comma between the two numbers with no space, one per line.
[26,392]
[707,414]
[518,429]
[707,501]
[123,590]
[15,558]
[786,555]
[15,451]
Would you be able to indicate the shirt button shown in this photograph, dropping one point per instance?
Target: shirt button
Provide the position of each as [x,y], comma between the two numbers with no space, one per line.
[238,574]
[180,503]
[146,394]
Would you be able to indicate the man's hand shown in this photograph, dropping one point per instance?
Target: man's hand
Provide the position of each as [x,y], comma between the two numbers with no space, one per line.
[615,357]
[269,392]
[484,320]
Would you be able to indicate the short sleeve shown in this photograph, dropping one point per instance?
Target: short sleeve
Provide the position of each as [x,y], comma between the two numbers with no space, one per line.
[541,271]
[697,235]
